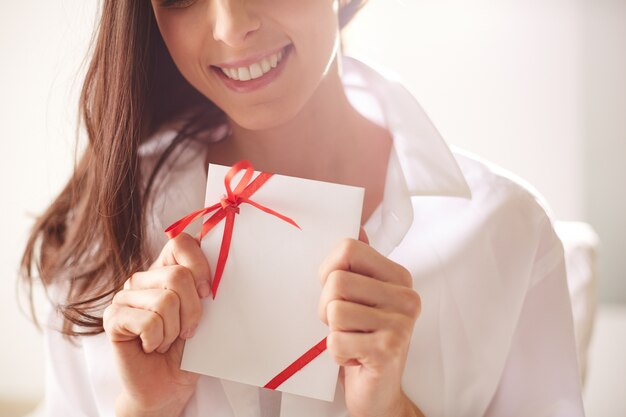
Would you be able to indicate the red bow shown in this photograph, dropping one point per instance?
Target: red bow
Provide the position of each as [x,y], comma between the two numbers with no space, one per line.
[227,207]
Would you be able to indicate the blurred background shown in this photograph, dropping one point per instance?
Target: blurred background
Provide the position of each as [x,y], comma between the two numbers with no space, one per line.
[536,86]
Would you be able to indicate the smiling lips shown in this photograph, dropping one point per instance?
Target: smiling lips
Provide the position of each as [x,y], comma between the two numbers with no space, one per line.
[255,70]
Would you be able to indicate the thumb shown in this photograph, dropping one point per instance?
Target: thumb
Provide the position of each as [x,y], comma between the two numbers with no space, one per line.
[363,236]
[185,251]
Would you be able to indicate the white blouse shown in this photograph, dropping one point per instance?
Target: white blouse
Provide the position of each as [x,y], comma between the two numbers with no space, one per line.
[495,336]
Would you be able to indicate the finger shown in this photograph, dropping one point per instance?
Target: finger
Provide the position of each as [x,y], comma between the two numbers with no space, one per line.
[184,250]
[347,349]
[374,350]
[163,302]
[352,255]
[123,323]
[363,236]
[349,286]
[346,316]
[179,280]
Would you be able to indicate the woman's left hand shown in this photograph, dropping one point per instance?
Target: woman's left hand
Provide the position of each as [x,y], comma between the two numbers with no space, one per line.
[369,304]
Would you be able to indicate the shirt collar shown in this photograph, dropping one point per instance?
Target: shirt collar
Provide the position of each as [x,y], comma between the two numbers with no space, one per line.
[420,162]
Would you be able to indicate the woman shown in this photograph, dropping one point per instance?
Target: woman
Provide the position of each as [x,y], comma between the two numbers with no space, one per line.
[175,84]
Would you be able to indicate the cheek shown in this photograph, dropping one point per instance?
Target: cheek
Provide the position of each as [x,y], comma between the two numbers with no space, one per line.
[318,36]
[183,37]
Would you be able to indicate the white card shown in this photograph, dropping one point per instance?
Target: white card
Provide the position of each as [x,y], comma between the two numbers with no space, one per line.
[264,316]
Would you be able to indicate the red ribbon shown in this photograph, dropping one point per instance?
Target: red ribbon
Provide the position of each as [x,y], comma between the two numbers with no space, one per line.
[227,208]
[298,364]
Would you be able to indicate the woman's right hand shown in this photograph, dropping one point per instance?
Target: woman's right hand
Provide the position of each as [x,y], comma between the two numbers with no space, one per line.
[148,322]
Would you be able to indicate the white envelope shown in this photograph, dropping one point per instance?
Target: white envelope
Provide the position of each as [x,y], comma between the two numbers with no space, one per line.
[264,315]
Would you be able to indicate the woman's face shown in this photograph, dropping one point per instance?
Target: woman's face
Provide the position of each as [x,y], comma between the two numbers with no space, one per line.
[258,60]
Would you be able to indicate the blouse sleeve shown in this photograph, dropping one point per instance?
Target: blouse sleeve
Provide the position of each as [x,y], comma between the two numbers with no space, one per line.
[540,377]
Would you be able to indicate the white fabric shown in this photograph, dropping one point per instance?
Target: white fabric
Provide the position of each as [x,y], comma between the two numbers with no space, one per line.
[580,242]
[495,336]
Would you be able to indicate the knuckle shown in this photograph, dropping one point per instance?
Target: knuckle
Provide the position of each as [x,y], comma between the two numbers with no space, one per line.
[183,238]
[405,276]
[321,314]
[337,281]
[412,303]
[334,310]
[178,275]
[181,242]
[107,318]
[346,247]
[331,342]
[153,324]
[169,299]
[321,307]
[387,344]
[408,302]
[116,298]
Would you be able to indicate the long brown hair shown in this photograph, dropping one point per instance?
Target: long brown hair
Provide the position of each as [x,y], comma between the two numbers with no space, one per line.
[91,238]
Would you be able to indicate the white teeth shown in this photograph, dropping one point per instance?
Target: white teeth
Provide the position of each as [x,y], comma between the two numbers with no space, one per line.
[256,70]
[265,65]
[244,74]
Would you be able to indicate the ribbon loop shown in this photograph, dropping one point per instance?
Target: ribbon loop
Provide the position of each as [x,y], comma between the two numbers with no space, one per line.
[243,182]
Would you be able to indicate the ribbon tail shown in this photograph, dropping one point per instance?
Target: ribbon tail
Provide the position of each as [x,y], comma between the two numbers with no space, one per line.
[297,365]
[224,249]
[210,223]
[272,212]
[176,228]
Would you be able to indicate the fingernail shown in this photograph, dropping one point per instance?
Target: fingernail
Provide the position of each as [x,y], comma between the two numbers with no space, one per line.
[204,290]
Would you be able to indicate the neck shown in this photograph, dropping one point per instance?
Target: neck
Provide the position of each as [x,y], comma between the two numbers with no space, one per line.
[327,141]
[318,143]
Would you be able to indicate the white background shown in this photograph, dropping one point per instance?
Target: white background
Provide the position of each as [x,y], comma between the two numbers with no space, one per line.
[537,86]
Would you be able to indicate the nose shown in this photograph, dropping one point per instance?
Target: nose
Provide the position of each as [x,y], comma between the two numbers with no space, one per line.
[233,22]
